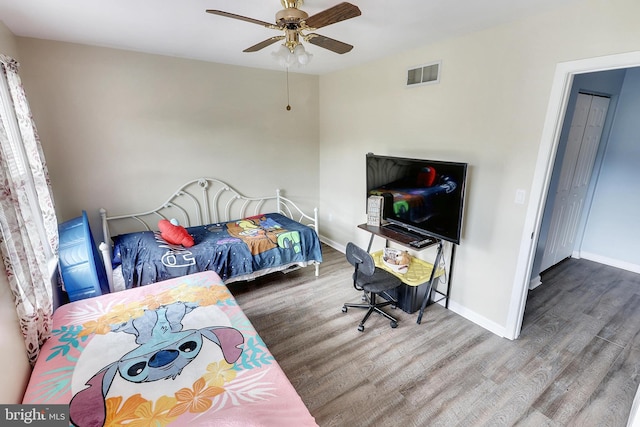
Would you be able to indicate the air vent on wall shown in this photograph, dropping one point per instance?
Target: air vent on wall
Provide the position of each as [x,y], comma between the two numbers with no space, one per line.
[424,74]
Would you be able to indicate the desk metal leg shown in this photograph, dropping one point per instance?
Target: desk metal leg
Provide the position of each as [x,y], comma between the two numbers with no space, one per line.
[425,300]
[370,242]
[453,252]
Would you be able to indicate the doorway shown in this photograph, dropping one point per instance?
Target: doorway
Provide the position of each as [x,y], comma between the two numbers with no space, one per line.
[558,103]
[568,198]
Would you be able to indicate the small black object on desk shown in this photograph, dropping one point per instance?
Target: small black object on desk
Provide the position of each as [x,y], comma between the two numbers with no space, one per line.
[419,244]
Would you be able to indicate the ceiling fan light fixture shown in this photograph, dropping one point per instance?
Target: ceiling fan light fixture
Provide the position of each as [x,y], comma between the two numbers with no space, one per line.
[288,57]
[283,56]
[302,56]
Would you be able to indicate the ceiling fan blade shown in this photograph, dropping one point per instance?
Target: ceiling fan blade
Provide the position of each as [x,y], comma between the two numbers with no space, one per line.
[240,17]
[328,43]
[263,44]
[337,13]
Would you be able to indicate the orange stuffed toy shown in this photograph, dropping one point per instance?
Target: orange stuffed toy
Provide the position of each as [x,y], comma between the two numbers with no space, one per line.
[174,234]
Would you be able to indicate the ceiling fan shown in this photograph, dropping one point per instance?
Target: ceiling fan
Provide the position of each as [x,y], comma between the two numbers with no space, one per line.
[297,24]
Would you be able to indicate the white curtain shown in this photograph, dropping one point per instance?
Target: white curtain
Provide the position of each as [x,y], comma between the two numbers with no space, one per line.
[29,239]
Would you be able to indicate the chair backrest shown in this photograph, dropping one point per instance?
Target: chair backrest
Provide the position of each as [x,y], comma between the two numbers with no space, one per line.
[360,259]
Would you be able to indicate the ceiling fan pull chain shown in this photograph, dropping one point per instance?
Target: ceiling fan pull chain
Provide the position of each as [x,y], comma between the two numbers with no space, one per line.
[288,105]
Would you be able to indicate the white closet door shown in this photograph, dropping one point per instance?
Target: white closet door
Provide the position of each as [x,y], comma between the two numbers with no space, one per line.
[577,165]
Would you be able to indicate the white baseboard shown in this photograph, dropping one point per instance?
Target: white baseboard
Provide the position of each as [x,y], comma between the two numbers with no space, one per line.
[535,282]
[470,315]
[474,317]
[335,245]
[634,268]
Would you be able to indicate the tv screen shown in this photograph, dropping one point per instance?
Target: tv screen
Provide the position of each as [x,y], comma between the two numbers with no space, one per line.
[421,196]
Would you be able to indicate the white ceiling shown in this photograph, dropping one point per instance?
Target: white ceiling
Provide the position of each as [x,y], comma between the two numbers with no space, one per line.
[181,28]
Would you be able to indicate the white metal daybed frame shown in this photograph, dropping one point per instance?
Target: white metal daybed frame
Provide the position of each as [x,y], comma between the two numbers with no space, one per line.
[217,202]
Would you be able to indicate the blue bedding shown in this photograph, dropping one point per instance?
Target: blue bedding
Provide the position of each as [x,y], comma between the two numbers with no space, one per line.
[231,249]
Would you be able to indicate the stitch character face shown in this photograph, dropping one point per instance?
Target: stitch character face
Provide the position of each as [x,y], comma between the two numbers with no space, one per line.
[161,360]
[163,351]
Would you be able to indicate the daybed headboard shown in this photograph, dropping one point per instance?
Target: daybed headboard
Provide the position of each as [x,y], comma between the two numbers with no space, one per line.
[205,201]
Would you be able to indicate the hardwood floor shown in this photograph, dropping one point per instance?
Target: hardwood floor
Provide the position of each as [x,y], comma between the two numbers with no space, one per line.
[576,362]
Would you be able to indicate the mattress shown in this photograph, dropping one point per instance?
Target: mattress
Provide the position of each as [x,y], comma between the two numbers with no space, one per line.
[178,352]
[235,250]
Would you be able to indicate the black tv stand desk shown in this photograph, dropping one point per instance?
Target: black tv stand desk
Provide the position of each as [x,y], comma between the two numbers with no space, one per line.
[408,239]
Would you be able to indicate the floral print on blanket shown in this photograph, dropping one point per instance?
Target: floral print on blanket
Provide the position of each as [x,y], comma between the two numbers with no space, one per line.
[169,329]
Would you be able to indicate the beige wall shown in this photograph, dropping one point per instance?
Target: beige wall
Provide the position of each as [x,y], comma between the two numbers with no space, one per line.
[488,110]
[8,45]
[122,130]
[13,355]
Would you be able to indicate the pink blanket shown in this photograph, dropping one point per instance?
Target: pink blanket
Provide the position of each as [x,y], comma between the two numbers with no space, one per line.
[178,352]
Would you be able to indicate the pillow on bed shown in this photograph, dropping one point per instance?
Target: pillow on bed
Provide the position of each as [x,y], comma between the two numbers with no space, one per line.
[174,234]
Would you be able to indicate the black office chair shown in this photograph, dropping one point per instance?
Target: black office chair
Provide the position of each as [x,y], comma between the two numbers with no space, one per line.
[373,281]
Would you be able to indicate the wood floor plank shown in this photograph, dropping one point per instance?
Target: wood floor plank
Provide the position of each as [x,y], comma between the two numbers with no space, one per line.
[624,324]
[577,361]
[573,386]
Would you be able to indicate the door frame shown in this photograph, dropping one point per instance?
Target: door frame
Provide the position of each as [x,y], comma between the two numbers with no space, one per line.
[556,111]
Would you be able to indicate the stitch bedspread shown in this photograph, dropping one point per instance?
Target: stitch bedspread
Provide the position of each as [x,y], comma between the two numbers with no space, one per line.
[178,352]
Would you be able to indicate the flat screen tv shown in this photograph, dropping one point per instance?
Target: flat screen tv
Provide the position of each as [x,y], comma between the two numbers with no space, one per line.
[422,196]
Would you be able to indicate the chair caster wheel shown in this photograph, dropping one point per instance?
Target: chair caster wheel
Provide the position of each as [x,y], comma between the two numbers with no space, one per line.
[361,328]
[344,308]
[394,324]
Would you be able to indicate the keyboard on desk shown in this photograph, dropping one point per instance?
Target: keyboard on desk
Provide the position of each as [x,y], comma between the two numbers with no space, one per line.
[418,241]
[398,229]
